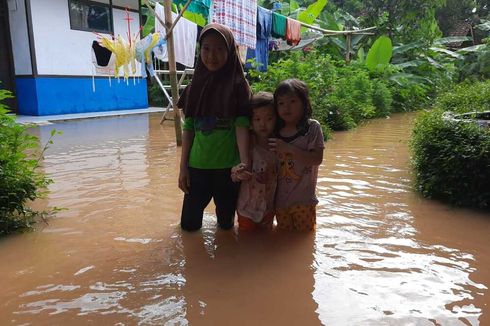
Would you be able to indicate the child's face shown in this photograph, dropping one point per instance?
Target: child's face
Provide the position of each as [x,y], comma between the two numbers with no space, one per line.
[290,108]
[263,121]
[214,52]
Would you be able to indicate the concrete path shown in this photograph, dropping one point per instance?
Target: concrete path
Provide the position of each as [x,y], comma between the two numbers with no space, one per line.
[46,119]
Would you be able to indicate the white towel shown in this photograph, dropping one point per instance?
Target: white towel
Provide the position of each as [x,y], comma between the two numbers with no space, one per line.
[185,38]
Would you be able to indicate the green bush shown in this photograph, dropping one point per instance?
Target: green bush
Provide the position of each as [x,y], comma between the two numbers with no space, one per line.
[155,95]
[20,179]
[382,99]
[451,160]
[409,96]
[466,97]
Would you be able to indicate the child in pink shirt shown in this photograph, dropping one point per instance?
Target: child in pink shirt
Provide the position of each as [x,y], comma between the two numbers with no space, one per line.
[299,146]
[255,207]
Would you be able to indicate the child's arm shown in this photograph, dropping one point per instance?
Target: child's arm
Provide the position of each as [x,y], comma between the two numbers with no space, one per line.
[310,158]
[184,180]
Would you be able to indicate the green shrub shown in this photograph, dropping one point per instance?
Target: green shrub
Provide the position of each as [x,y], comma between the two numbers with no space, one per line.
[409,96]
[382,99]
[20,179]
[451,160]
[156,96]
[466,97]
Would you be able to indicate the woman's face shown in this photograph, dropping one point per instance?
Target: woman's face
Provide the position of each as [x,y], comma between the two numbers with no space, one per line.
[214,52]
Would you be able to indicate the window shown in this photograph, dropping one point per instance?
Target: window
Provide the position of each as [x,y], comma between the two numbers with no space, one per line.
[90,16]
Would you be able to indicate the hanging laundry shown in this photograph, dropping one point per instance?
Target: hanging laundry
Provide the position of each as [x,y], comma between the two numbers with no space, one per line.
[143,50]
[124,52]
[240,16]
[184,35]
[264,28]
[196,6]
[278,25]
[293,32]
[242,53]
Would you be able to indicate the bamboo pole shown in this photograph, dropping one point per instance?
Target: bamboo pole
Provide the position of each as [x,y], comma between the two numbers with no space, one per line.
[348,41]
[173,71]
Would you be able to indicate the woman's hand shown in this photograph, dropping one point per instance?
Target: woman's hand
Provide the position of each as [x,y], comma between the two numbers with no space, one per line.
[240,173]
[184,180]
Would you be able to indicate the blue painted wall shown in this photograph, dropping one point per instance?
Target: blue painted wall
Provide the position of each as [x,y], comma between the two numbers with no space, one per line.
[58,95]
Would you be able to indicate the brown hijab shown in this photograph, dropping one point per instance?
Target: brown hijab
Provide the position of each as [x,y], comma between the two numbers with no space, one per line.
[224,93]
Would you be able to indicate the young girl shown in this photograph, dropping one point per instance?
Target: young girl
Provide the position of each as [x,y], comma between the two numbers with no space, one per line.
[299,146]
[215,136]
[255,208]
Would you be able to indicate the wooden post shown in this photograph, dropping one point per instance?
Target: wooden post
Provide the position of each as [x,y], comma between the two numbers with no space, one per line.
[173,71]
[348,46]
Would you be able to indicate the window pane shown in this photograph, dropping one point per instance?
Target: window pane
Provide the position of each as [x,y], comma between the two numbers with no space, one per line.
[90,16]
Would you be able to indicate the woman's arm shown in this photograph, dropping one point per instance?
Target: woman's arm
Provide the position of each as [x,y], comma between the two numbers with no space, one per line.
[184,180]
[243,141]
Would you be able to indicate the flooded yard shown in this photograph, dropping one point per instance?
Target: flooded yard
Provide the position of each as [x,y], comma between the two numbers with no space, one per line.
[381,254]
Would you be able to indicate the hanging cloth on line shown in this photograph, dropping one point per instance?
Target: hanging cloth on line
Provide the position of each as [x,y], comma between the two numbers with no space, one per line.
[196,6]
[240,16]
[264,28]
[184,34]
[293,31]
[278,25]
[143,50]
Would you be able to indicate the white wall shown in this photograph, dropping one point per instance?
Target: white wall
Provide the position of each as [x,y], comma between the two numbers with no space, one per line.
[131,4]
[62,51]
[20,39]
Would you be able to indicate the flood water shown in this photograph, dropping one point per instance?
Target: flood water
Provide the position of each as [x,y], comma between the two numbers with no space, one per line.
[381,254]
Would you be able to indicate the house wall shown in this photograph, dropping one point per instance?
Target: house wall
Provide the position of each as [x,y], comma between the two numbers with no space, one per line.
[19,37]
[63,51]
[64,82]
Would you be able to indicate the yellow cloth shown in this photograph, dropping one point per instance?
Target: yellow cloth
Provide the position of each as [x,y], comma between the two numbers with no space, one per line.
[124,52]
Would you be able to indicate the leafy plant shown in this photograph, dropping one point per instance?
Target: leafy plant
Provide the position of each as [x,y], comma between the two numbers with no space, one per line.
[379,54]
[451,160]
[20,178]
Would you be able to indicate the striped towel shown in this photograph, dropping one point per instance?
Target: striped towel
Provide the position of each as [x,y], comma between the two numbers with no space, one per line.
[240,16]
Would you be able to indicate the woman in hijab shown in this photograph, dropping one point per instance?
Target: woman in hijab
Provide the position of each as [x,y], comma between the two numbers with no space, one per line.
[215,136]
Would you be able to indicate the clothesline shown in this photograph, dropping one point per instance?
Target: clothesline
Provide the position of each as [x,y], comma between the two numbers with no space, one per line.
[363,31]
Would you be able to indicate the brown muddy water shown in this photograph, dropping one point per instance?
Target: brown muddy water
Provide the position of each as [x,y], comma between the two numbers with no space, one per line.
[381,255]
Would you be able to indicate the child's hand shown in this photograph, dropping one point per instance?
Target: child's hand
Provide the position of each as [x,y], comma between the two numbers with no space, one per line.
[278,145]
[240,173]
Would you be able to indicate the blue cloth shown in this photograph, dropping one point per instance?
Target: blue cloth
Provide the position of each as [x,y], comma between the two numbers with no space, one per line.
[264,29]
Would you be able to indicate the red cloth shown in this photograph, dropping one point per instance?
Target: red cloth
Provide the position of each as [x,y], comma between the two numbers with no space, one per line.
[293,31]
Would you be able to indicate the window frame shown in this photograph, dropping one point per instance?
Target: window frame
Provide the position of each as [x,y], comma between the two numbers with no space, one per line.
[101,4]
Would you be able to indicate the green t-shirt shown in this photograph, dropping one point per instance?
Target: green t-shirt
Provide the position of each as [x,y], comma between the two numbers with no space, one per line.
[214,145]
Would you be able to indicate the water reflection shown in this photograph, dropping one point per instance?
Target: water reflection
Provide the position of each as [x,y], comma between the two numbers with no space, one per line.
[375,266]
[380,256]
